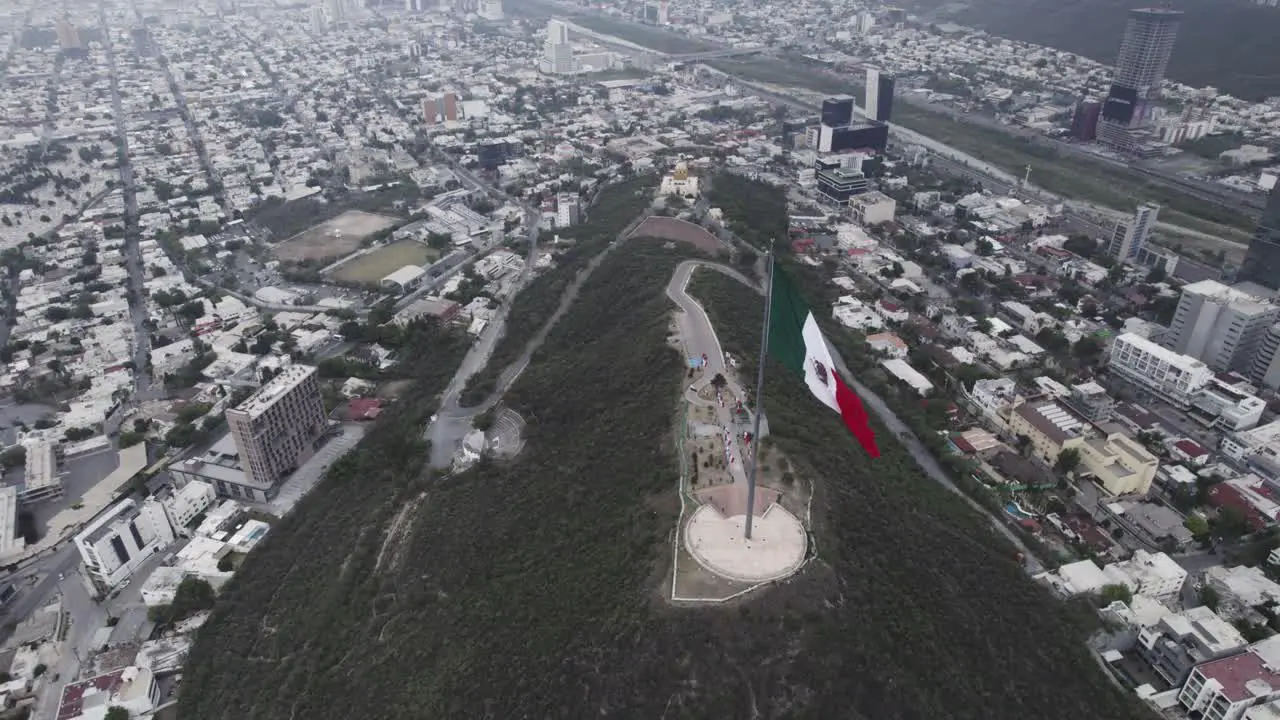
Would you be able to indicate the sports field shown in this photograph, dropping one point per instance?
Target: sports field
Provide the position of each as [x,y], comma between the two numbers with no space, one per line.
[374,266]
[332,238]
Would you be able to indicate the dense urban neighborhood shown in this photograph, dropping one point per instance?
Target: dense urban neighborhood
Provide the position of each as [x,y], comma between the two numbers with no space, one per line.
[425,359]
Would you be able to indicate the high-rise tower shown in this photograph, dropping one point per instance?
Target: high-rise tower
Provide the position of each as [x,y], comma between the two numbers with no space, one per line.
[557,54]
[1262,261]
[1144,55]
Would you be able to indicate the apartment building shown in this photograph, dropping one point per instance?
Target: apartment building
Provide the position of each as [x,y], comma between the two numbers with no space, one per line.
[1225,689]
[1049,426]
[183,504]
[279,427]
[115,544]
[1172,376]
[872,208]
[1180,641]
[1219,325]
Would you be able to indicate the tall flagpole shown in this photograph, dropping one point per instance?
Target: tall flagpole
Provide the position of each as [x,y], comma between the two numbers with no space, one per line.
[755,434]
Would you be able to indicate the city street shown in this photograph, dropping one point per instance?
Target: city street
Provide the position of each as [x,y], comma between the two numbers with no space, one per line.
[453,422]
[133,255]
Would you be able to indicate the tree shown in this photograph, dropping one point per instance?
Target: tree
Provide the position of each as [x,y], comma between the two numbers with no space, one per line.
[1111,593]
[1231,524]
[1198,526]
[115,712]
[15,456]
[1068,460]
[1209,597]
[39,670]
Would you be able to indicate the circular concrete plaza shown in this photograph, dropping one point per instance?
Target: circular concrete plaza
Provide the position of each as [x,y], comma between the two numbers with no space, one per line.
[775,551]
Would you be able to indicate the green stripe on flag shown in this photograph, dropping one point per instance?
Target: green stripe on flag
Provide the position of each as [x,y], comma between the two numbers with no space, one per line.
[787,315]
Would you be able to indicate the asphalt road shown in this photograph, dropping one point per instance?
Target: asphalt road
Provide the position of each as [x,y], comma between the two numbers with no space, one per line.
[133,255]
[453,421]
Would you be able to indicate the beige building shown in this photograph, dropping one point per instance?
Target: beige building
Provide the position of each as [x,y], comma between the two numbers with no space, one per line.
[279,427]
[872,208]
[1049,425]
[1121,465]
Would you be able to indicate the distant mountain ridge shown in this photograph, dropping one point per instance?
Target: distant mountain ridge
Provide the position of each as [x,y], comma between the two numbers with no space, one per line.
[1232,45]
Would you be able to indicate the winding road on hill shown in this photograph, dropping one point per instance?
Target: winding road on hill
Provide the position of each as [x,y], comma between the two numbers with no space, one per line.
[453,421]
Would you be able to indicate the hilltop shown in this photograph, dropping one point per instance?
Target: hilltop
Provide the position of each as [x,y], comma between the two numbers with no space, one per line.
[535,589]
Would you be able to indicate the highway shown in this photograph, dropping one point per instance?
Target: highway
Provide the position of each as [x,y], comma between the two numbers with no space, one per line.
[992,174]
[133,254]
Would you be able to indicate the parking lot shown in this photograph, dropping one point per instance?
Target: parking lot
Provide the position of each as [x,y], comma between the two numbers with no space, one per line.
[306,477]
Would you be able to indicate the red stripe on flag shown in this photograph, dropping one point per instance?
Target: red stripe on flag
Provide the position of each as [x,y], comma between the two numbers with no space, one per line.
[855,416]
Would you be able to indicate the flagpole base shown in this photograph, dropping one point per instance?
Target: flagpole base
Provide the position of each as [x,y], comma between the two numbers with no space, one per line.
[775,551]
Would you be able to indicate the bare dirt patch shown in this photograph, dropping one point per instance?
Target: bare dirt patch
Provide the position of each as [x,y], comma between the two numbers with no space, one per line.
[332,238]
[666,228]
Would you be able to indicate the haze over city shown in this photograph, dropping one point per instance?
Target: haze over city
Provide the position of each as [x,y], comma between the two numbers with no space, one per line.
[639,359]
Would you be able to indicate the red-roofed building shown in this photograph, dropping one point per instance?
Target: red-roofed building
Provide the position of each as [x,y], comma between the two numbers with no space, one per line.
[1189,451]
[1250,498]
[801,246]
[1224,689]
[891,311]
[132,688]
[364,408]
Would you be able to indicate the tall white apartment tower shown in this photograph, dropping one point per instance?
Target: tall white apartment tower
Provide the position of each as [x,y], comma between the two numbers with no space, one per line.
[1219,325]
[335,10]
[1129,238]
[557,56]
[871,100]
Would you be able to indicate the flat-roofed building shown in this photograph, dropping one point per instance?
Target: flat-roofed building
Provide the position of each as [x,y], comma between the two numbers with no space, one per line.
[1180,641]
[1121,464]
[279,427]
[120,539]
[872,208]
[11,544]
[41,479]
[1174,377]
[1226,689]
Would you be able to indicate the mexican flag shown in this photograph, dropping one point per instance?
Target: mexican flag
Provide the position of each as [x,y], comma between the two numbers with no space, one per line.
[796,342]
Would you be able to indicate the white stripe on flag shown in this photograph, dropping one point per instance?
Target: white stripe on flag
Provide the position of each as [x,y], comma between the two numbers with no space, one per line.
[820,380]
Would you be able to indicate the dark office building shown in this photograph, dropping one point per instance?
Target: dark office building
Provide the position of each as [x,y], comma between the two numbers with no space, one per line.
[879,96]
[839,184]
[490,155]
[1262,262]
[1084,121]
[1144,55]
[837,111]
[870,136]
